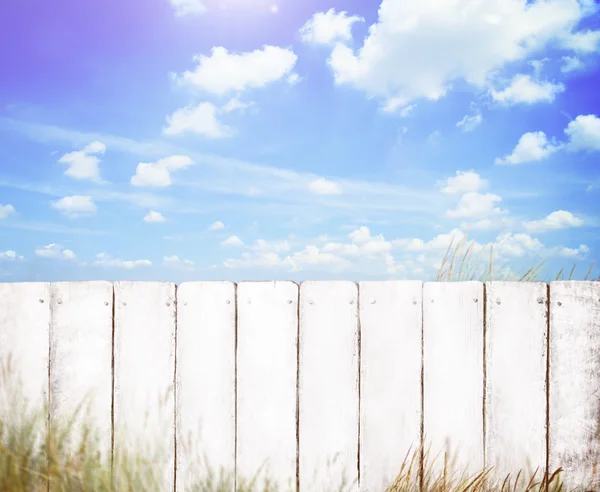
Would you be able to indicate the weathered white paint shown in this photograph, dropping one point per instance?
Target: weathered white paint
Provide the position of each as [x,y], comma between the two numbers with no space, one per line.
[390,383]
[81,359]
[515,411]
[24,322]
[266,382]
[144,353]
[205,391]
[453,374]
[328,396]
[575,382]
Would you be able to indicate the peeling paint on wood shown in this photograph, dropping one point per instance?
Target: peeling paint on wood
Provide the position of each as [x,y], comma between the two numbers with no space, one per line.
[205,395]
[266,382]
[390,391]
[328,385]
[574,442]
[516,330]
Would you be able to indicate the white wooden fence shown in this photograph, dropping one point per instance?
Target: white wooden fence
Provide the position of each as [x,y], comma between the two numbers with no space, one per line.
[500,374]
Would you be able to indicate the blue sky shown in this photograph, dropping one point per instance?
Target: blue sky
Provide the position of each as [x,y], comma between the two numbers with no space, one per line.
[271,139]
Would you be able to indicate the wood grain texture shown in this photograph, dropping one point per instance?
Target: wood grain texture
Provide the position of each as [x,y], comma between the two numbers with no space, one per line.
[328,387]
[144,354]
[574,435]
[390,382]
[266,382]
[81,359]
[205,396]
[516,356]
[453,374]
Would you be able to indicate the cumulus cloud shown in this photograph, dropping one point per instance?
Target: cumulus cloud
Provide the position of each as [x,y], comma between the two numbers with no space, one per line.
[84,164]
[158,174]
[75,206]
[570,64]
[154,217]
[470,122]
[463,182]
[177,262]
[532,146]
[215,226]
[328,27]
[223,72]
[200,119]
[476,206]
[472,41]
[55,251]
[6,210]
[584,133]
[322,186]
[105,260]
[9,255]
[523,89]
[561,219]
[579,252]
[232,241]
[184,8]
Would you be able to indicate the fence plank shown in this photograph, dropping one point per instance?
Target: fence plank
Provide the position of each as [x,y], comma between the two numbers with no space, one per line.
[205,391]
[266,382]
[144,355]
[574,435]
[24,322]
[453,374]
[81,359]
[390,382]
[328,392]
[516,355]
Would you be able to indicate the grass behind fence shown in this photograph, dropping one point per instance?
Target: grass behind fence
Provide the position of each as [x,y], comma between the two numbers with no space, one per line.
[68,454]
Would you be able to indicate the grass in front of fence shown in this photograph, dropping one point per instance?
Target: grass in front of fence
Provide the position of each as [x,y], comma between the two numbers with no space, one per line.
[70,455]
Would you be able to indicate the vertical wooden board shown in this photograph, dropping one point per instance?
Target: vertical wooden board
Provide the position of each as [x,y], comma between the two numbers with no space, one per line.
[574,434]
[328,386]
[81,359]
[390,383]
[24,323]
[266,382]
[144,372]
[205,391]
[453,375]
[516,355]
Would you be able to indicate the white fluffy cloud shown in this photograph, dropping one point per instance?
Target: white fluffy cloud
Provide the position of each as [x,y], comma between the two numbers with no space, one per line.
[233,241]
[177,262]
[475,205]
[215,226]
[523,89]
[75,206]
[570,64]
[9,255]
[470,122]
[532,146]
[200,119]
[183,8]
[6,210]
[55,251]
[579,252]
[417,49]
[158,174]
[154,217]
[322,186]
[83,164]
[223,72]
[463,182]
[328,27]
[584,133]
[560,219]
[105,260]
